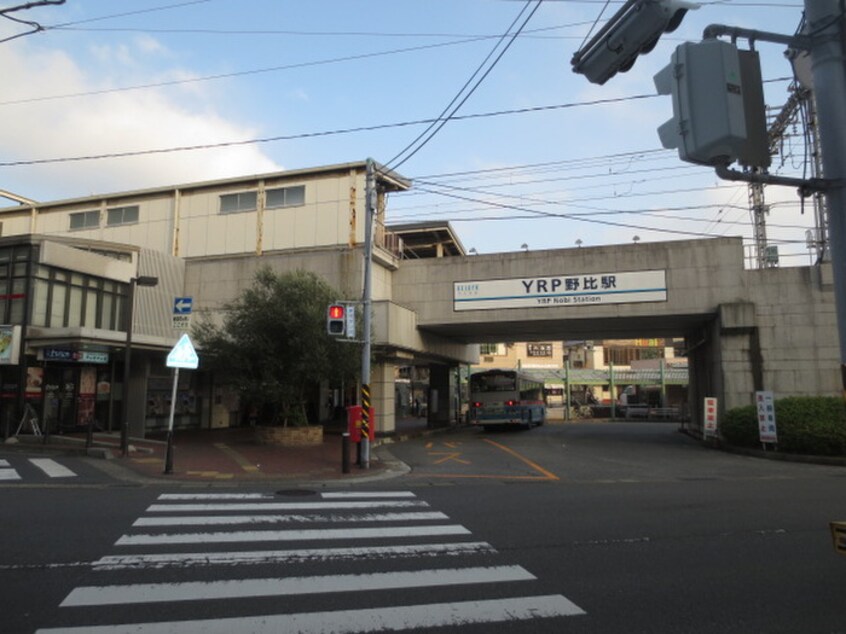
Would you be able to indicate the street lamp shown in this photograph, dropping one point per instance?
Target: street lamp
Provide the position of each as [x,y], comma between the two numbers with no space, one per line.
[141,280]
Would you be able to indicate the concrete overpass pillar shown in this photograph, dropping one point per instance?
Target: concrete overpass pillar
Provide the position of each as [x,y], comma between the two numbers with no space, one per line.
[382,397]
[442,392]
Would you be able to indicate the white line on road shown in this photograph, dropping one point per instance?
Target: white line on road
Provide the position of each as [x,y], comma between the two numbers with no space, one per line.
[210,520]
[289,586]
[367,494]
[9,474]
[4,463]
[356,621]
[302,535]
[52,468]
[282,506]
[121,562]
[215,496]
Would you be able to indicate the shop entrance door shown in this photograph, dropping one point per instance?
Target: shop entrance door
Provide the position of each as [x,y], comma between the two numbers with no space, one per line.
[60,394]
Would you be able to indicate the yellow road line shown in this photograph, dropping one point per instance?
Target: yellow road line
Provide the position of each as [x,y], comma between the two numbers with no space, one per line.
[548,474]
[245,464]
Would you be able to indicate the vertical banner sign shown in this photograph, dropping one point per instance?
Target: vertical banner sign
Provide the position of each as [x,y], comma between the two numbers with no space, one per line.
[766,417]
[350,316]
[710,417]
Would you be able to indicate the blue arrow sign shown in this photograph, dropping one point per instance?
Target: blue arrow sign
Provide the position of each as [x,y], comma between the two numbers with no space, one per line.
[182,305]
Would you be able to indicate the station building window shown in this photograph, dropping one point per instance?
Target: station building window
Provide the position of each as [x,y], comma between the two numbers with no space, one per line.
[236,203]
[84,220]
[117,216]
[285,197]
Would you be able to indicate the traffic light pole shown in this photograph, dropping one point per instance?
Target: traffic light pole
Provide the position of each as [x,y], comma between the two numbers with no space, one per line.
[825,24]
[366,301]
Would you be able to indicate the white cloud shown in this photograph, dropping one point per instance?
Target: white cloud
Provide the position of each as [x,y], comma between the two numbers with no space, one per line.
[110,123]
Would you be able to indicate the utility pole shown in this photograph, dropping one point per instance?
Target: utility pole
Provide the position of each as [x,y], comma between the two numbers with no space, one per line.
[366,302]
[825,27]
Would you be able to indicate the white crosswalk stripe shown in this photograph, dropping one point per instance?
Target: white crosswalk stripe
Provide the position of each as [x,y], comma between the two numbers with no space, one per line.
[44,467]
[434,557]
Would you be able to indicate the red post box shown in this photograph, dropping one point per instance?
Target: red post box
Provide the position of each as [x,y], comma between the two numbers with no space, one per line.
[354,423]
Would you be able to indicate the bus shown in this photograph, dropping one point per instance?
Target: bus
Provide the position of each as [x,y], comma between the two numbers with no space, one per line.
[506,397]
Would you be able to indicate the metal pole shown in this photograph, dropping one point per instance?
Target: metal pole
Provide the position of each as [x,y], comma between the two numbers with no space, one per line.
[169,452]
[366,302]
[127,355]
[829,70]
[567,391]
[345,452]
[613,390]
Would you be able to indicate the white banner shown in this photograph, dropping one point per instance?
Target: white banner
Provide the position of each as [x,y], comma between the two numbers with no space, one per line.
[587,289]
[766,417]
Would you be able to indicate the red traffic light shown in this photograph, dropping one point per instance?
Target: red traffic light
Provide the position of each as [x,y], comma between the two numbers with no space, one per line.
[336,324]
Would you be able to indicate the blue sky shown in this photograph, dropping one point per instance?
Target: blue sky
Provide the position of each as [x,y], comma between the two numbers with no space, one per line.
[108,77]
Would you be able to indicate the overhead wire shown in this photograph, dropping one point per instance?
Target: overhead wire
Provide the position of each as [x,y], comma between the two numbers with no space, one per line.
[466,90]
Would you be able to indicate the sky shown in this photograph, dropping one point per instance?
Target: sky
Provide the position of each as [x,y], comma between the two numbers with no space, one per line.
[535,155]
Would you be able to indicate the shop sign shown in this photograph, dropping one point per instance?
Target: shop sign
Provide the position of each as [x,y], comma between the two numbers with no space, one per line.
[568,291]
[10,345]
[73,356]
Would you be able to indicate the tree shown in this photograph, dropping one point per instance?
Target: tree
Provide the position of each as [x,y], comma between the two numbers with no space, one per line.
[273,345]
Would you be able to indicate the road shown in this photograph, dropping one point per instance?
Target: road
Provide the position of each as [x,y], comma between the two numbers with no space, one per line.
[628,527]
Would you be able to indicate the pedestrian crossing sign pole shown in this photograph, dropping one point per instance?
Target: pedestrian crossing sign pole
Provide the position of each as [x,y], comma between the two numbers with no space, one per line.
[183,355]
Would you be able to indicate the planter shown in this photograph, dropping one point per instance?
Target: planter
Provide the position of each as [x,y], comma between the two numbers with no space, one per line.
[290,436]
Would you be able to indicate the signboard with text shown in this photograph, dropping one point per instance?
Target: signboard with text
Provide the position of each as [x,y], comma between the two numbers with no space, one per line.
[765,403]
[587,289]
[182,307]
[710,416]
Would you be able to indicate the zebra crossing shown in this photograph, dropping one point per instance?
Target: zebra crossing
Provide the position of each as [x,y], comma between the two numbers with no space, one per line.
[43,467]
[383,561]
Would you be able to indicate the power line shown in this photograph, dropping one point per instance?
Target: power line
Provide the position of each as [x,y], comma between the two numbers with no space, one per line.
[455,104]
[307,135]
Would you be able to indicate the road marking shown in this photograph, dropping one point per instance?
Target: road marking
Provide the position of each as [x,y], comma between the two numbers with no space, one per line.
[4,463]
[283,506]
[9,474]
[207,520]
[289,586]
[122,562]
[367,494]
[302,535]
[215,496]
[454,456]
[240,460]
[364,621]
[52,468]
[548,475]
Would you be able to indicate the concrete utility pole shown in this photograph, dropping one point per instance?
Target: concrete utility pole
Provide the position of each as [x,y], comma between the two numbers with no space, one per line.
[366,303]
[825,27]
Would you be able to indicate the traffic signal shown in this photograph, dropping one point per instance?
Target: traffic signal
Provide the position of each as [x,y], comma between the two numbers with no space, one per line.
[634,29]
[336,320]
[718,105]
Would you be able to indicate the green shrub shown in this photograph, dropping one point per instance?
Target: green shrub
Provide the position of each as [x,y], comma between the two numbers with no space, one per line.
[806,425]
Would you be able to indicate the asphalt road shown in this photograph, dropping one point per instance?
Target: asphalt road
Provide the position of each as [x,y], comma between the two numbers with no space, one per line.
[602,528]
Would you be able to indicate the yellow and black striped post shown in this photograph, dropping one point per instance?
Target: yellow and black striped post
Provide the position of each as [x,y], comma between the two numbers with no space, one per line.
[365,426]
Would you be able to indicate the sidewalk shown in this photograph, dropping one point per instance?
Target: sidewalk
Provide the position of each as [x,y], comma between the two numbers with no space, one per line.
[232,455]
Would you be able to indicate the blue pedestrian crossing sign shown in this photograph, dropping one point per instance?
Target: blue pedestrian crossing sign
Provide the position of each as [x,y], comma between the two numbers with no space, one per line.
[182,305]
[183,354]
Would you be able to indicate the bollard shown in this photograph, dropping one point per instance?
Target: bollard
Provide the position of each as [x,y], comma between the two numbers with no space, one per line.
[169,454]
[345,455]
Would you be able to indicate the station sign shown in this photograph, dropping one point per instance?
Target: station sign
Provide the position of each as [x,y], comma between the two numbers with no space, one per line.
[568,291]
